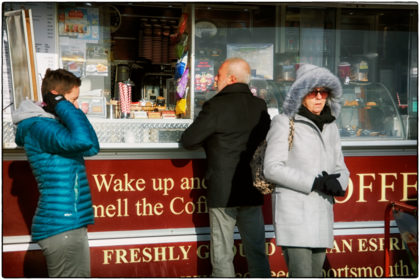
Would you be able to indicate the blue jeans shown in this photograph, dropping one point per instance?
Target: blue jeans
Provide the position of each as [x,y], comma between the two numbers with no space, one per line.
[304,262]
[250,223]
[67,254]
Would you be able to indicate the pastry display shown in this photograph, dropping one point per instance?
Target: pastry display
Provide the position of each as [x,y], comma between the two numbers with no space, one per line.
[351,103]
[168,114]
[154,115]
[150,110]
[140,115]
[349,131]
[160,103]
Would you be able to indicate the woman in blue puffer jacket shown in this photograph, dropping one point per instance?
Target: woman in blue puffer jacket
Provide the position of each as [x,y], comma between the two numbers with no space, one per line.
[56,137]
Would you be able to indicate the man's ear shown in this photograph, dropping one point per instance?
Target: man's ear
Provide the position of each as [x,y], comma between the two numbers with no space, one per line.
[232,79]
[53,91]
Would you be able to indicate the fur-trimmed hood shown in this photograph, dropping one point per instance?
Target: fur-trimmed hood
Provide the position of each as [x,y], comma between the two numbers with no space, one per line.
[309,76]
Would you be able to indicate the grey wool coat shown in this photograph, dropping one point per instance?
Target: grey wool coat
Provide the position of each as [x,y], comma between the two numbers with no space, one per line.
[302,217]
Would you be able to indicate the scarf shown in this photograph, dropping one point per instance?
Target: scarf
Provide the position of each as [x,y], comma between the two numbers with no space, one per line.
[319,120]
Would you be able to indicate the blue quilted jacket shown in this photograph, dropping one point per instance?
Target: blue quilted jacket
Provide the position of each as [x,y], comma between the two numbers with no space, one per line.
[55,148]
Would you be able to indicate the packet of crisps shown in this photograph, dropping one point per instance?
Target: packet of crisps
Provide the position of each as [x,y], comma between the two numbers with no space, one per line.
[181,66]
[182,84]
[181,107]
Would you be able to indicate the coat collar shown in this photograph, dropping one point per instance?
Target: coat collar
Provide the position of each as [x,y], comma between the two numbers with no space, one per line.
[235,88]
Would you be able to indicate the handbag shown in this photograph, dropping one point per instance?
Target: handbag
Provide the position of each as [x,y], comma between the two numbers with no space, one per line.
[257,164]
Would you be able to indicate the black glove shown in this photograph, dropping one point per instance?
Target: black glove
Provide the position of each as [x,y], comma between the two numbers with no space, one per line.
[52,100]
[319,182]
[328,184]
[333,187]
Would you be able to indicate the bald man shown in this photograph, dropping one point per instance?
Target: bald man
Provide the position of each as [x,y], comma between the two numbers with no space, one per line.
[229,127]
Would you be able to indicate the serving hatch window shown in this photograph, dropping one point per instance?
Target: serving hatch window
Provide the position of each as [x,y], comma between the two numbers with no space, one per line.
[380,89]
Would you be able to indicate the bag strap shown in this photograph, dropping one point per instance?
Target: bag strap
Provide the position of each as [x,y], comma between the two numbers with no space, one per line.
[291,132]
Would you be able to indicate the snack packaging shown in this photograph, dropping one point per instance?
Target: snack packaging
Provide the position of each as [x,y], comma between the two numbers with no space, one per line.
[182,46]
[179,51]
[181,106]
[182,26]
[181,66]
[182,23]
[182,84]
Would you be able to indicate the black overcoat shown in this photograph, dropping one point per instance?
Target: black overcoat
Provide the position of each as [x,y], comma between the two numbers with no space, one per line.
[229,128]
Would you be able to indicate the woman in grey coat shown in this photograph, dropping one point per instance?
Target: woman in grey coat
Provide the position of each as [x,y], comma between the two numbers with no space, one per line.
[310,174]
